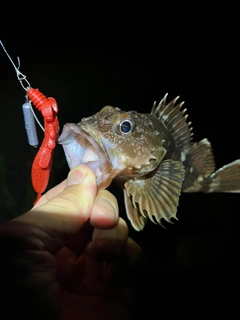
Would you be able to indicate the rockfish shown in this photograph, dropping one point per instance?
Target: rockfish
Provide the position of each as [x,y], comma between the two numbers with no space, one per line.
[151,156]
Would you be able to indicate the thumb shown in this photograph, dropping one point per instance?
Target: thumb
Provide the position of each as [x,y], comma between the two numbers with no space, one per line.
[65,213]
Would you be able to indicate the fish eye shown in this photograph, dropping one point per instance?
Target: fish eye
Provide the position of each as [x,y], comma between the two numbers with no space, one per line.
[125,126]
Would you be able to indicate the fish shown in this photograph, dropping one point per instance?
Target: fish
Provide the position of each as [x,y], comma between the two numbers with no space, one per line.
[152,157]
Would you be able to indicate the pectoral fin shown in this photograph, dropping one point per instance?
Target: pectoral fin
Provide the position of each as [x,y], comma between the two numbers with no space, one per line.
[155,197]
[137,220]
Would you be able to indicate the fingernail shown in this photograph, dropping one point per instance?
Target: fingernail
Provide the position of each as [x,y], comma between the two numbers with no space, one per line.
[75,176]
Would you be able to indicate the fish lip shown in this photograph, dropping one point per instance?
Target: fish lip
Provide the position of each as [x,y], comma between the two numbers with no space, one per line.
[74,134]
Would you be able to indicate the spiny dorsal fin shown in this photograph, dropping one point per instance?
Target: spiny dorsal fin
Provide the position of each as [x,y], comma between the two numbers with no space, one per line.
[175,120]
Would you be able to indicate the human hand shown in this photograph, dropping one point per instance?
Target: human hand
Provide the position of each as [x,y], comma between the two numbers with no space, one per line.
[70,257]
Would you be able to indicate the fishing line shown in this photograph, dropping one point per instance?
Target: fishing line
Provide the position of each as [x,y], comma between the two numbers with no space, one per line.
[28,112]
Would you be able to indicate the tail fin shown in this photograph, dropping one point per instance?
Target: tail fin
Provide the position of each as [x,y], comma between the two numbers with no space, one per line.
[226,179]
[201,175]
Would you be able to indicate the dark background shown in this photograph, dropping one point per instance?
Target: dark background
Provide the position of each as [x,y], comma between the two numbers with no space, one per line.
[130,55]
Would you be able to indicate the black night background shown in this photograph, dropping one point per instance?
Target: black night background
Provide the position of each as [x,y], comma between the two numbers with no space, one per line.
[129,56]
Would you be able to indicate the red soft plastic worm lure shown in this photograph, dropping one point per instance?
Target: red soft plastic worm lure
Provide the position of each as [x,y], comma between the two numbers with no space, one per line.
[42,164]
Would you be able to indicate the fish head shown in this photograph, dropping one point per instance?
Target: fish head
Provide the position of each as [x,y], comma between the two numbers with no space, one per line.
[115,144]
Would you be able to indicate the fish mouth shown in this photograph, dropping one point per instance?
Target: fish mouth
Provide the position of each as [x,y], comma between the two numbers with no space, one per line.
[81,148]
